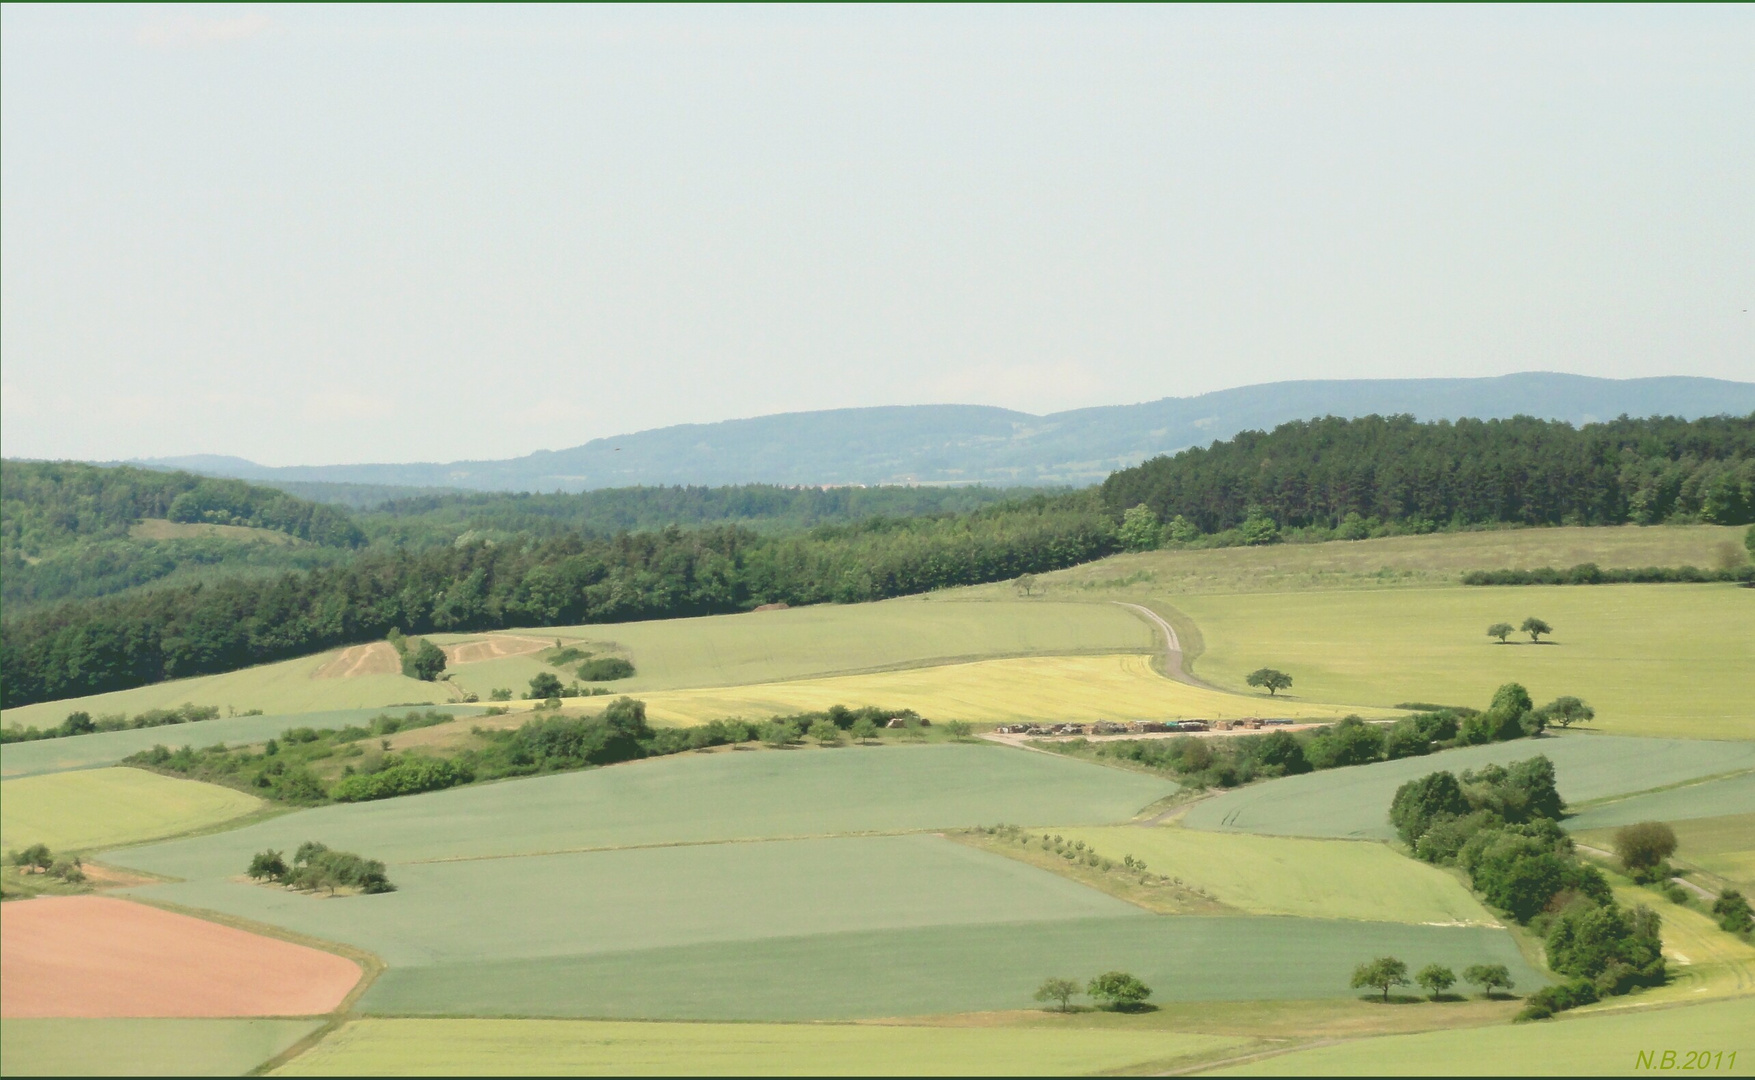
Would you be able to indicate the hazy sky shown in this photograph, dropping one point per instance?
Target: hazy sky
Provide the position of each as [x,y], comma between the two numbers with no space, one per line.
[315,235]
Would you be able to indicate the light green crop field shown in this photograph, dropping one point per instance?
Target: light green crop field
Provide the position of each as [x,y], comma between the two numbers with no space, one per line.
[285,687]
[1040,688]
[80,811]
[829,639]
[1273,875]
[1436,559]
[1570,1045]
[613,901]
[587,1048]
[1354,802]
[1710,798]
[1722,846]
[144,1047]
[938,969]
[1666,660]
[109,747]
[693,798]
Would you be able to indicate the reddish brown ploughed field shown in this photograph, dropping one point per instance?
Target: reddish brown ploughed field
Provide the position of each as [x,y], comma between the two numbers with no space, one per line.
[93,956]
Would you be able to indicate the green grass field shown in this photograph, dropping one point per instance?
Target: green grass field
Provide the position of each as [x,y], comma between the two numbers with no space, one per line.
[642,898]
[1437,559]
[109,747]
[1710,798]
[937,969]
[144,1047]
[1354,802]
[693,798]
[1666,660]
[1273,875]
[96,808]
[1572,1045]
[597,1048]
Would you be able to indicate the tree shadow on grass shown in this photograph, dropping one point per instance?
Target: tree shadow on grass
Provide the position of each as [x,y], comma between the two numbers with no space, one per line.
[1394,999]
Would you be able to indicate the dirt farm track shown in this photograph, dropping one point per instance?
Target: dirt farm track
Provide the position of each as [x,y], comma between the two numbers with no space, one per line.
[94,956]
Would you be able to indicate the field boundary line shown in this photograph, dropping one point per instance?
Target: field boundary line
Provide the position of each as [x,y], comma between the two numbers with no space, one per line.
[930,830]
[901,665]
[1574,809]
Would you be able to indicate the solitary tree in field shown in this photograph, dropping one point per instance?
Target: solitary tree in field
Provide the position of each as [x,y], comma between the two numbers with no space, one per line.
[959,729]
[1119,991]
[1644,845]
[1024,583]
[1061,990]
[864,730]
[424,662]
[1436,979]
[1274,680]
[1501,630]
[1535,628]
[1381,973]
[1489,977]
[1566,711]
[825,733]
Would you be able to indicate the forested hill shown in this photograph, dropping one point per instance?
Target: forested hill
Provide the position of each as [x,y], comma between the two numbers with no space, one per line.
[145,637]
[966,444]
[1522,471]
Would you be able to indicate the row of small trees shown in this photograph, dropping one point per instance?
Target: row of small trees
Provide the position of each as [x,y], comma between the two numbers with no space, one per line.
[1386,972]
[1115,990]
[38,859]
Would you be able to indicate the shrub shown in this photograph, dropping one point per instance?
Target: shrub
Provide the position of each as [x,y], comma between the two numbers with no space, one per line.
[1119,991]
[1644,845]
[1733,912]
[605,669]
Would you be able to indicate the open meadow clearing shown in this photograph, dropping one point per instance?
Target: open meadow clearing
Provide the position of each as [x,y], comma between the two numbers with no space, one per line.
[591,903]
[375,1047]
[1275,875]
[80,1047]
[1354,802]
[109,747]
[1578,1044]
[1434,559]
[936,969]
[1046,688]
[97,956]
[80,811]
[691,798]
[1675,661]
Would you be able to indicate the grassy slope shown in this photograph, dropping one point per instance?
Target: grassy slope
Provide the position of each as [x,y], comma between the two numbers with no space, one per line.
[1050,688]
[1575,1045]
[109,747]
[592,903]
[586,1048]
[1669,660]
[694,798]
[80,811]
[1722,846]
[1355,802]
[939,969]
[1271,875]
[144,1047]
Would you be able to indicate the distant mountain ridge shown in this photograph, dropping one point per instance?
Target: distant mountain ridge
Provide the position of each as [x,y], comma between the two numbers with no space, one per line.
[962,444]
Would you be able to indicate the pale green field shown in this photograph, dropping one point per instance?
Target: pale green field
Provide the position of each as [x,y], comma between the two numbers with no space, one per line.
[1709,798]
[1044,688]
[109,747]
[1401,561]
[933,970]
[827,639]
[587,1048]
[1571,1045]
[691,798]
[590,903]
[1666,660]
[81,811]
[1273,875]
[144,1047]
[1354,802]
